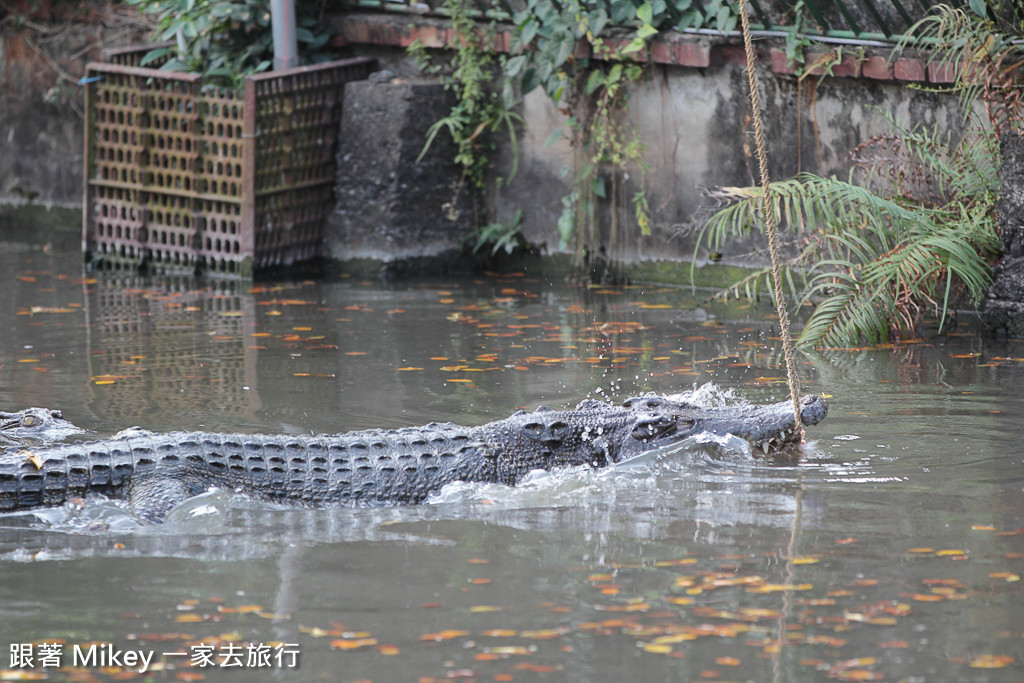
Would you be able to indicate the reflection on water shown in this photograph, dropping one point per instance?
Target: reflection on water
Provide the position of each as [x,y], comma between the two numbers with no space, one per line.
[891,551]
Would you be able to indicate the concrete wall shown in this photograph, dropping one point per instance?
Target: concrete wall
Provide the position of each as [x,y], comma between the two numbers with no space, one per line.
[693,116]
[42,56]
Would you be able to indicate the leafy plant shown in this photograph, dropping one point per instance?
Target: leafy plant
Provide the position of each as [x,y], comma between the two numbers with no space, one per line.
[989,62]
[880,254]
[479,110]
[498,236]
[225,40]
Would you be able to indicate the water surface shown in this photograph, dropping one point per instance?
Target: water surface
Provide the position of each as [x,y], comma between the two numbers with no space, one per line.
[891,551]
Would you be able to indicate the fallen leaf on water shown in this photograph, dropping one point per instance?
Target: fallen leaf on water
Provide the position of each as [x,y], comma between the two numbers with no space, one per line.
[536,668]
[991,661]
[894,643]
[679,600]
[446,634]
[499,633]
[189,618]
[352,644]
[656,648]
[994,575]
[510,650]
[544,633]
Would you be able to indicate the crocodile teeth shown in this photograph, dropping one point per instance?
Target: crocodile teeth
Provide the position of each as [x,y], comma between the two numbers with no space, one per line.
[764,447]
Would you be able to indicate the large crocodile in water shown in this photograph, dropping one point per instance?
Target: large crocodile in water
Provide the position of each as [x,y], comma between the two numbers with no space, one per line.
[155,472]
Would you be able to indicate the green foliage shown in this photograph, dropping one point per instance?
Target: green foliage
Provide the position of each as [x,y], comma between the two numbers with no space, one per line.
[479,110]
[989,62]
[498,236]
[920,226]
[225,40]
[878,257]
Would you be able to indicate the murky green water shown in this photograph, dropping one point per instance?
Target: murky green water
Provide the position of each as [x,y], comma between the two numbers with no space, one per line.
[892,551]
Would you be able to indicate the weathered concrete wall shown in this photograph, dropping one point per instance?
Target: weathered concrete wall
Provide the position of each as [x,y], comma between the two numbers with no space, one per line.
[389,206]
[694,125]
[693,116]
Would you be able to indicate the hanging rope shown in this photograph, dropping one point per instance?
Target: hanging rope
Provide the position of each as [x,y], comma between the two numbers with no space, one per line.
[769,217]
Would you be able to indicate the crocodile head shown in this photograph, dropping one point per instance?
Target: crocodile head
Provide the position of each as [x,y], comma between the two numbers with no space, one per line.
[662,420]
[34,425]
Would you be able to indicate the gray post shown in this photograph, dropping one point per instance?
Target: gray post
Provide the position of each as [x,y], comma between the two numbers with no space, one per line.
[282,19]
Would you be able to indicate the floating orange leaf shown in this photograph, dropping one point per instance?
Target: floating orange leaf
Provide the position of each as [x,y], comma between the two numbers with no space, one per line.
[543,634]
[446,634]
[894,644]
[499,633]
[352,643]
[510,650]
[190,618]
[656,648]
[991,661]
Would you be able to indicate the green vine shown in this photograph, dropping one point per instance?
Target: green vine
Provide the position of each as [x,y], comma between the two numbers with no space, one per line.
[479,110]
[568,49]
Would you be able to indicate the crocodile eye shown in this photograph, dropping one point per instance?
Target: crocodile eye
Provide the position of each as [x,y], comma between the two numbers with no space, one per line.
[29,421]
[647,428]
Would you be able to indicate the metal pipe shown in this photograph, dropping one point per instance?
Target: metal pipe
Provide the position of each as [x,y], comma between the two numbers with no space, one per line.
[282,20]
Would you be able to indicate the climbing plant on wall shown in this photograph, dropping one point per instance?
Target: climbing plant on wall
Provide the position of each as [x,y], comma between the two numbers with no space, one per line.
[480,110]
[571,50]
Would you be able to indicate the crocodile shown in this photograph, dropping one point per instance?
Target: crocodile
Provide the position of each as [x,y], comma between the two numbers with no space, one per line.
[33,426]
[155,472]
